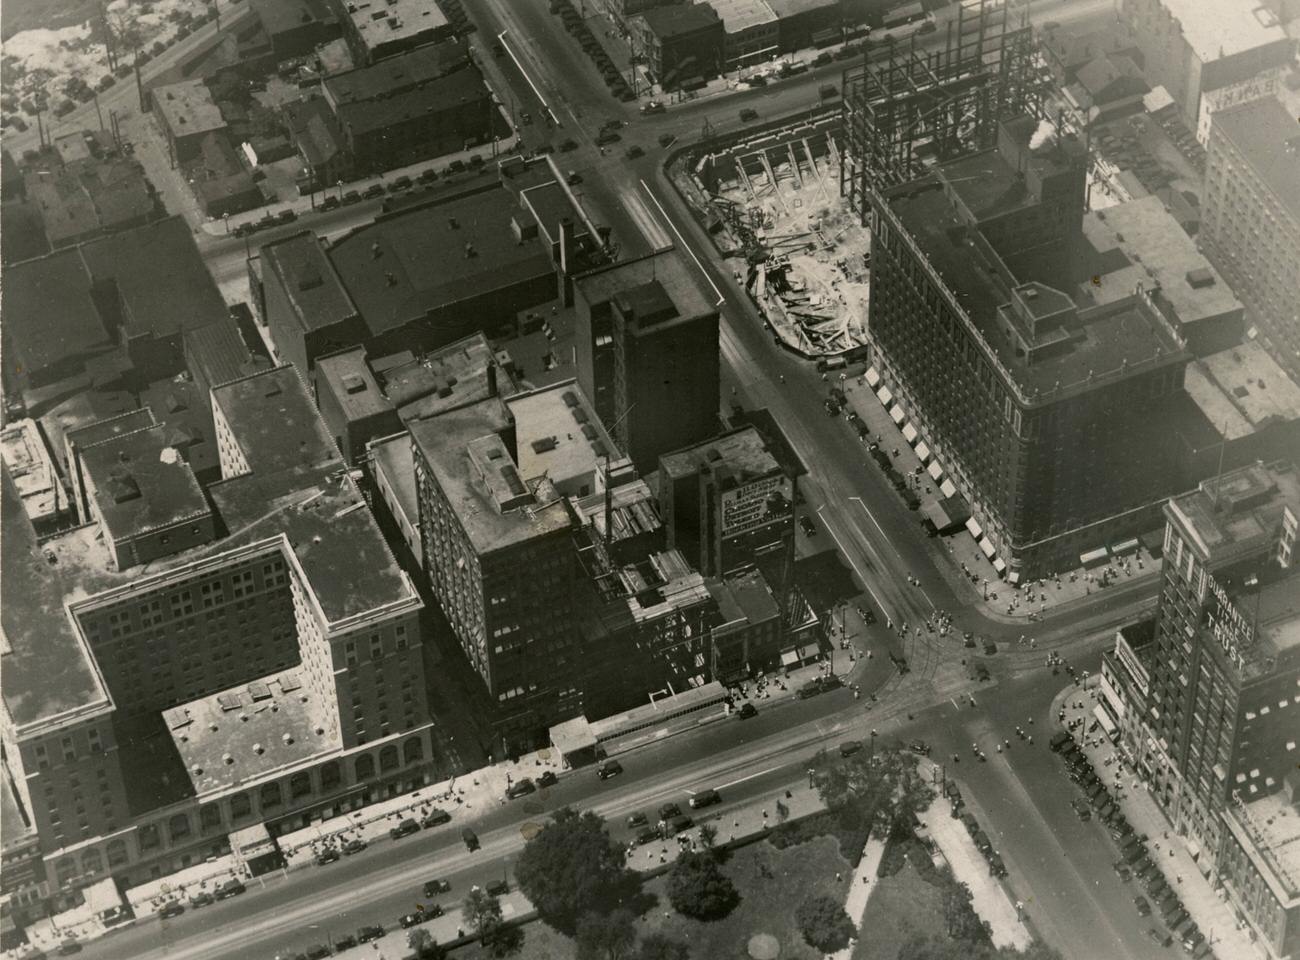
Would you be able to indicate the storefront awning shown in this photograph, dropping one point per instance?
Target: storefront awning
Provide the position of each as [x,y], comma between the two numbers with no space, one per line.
[789,657]
[1128,546]
[1103,718]
[884,396]
[873,378]
[922,452]
[1013,576]
[948,489]
[1094,557]
[934,469]
[986,547]
[998,565]
[896,414]
[909,433]
[973,526]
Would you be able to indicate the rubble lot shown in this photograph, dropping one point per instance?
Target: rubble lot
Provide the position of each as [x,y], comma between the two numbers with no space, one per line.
[802,252]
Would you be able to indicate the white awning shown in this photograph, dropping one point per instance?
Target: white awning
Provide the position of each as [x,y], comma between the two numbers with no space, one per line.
[986,547]
[896,414]
[1013,576]
[1128,546]
[973,526]
[947,488]
[909,433]
[789,657]
[998,565]
[922,452]
[884,396]
[1094,557]
[1103,718]
[873,378]
[934,469]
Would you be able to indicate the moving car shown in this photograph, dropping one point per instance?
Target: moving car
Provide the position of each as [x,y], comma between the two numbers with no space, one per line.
[749,114]
[355,845]
[807,526]
[704,798]
[654,106]
[635,151]
[920,746]
[404,829]
[470,838]
[497,888]
[1081,809]
[172,908]
[432,888]
[746,711]
[610,768]
[849,747]
[1143,906]
[607,137]
[636,820]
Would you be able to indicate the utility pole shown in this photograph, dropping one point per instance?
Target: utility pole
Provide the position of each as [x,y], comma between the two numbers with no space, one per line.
[98,112]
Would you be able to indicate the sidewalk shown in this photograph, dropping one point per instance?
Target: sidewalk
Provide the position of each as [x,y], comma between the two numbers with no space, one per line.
[988,896]
[1211,913]
[969,570]
[860,890]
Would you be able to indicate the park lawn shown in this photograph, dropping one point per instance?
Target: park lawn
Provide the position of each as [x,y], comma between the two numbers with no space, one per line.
[772,884]
[900,906]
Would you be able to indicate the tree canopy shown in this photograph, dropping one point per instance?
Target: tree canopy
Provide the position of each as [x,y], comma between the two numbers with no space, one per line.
[933,947]
[698,888]
[882,783]
[608,936]
[572,867]
[824,924]
[656,946]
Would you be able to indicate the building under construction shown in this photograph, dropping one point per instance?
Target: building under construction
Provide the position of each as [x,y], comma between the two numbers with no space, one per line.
[906,107]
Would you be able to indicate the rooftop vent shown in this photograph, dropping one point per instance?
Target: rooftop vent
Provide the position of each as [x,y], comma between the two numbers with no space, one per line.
[1200,278]
[545,444]
[287,738]
[353,383]
[453,223]
[272,388]
[469,251]
[259,749]
[122,487]
[227,759]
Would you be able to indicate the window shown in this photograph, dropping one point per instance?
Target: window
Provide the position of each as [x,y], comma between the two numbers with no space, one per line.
[365,767]
[330,776]
[270,795]
[299,785]
[240,806]
[209,817]
[412,750]
[179,827]
[388,758]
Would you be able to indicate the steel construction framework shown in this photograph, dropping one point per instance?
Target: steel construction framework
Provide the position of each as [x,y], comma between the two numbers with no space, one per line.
[902,98]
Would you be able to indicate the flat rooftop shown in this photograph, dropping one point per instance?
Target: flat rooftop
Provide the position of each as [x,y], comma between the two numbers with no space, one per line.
[742,451]
[380,22]
[445,443]
[1148,237]
[307,276]
[1243,389]
[1271,829]
[396,461]
[401,72]
[32,469]
[748,597]
[286,16]
[187,108]
[1239,511]
[678,19]
[1101,339]
[559,435]
[140,483]
[241,735]
[680,282]
[1219,30]
[402,267]
[740,15]
[46,667]
[451,91]
[49,314]
[274,422]
[1269,138]
[352,384]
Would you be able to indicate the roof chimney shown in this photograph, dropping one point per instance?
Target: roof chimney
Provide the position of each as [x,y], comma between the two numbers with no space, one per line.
[492,378]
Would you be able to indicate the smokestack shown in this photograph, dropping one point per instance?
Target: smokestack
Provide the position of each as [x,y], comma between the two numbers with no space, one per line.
[565,291]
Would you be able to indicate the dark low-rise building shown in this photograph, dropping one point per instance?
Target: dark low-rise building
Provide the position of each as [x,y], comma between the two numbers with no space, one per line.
[296,27]
[678,41]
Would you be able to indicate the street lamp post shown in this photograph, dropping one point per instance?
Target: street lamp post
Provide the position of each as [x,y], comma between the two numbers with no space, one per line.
[225,218]
[810,778]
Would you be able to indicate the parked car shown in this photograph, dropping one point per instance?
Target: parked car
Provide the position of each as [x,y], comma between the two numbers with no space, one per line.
[327,855]
[521,788]
[635,151]
[331,202]
[548,779]
[404,829]
[231,888]
[807,526]
[434,818]
[470,838]
[828,91]
[351,197]
[849,747]
[1143,906]
[610,768]
[654,106]
[1159,937]
[355,845]
[646,835]
[573,178]
[679,824]
[411,919]
[1081,809]
[427,175]
[432,888]
[669,810]
[172,908]
[345,942]
[637,820]
[704,798]
[400,183]
[201,899]
[374,190]
[1058,741]
[1122,871]
[371,932]
[497,888]
[746,711]
[608,137]
[286,216]
[748,115]
[318,951]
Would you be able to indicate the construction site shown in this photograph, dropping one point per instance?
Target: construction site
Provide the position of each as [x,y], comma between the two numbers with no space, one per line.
[787,206]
